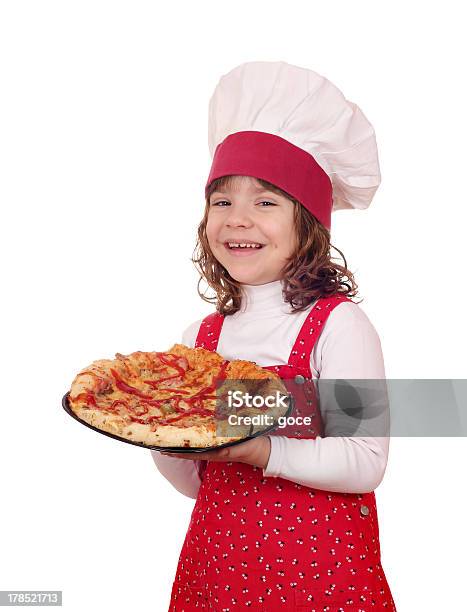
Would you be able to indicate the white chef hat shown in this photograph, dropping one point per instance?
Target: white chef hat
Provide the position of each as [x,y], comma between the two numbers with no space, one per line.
[294,128]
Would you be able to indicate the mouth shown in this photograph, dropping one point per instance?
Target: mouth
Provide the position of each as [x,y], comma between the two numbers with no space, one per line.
[243,246]
[243,249]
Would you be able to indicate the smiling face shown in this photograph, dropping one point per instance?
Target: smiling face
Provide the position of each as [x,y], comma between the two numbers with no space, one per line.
[247,213]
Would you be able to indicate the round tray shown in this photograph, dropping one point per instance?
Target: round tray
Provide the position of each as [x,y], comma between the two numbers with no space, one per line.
[177,449]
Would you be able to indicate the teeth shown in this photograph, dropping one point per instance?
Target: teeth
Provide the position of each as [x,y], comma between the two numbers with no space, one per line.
[244,245]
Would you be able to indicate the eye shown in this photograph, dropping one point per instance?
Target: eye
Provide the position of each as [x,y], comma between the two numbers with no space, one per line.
[221,203]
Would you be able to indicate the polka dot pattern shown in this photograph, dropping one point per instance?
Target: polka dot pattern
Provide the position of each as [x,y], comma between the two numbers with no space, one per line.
[269,544]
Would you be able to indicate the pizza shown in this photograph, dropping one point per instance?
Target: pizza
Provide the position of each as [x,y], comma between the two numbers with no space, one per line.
[179,398]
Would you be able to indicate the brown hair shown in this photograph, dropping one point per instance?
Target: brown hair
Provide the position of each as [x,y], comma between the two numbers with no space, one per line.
[308,275]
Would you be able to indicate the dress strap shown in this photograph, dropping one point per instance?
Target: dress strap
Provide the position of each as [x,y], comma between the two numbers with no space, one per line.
[312,327]
[209,331]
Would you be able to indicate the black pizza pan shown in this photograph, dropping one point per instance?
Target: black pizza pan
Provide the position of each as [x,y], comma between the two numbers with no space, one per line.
[178,449]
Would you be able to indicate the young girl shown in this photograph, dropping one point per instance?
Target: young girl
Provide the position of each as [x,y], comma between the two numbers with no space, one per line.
[286,521]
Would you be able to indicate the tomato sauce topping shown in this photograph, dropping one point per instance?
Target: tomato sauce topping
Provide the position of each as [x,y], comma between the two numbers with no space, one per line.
[136,413]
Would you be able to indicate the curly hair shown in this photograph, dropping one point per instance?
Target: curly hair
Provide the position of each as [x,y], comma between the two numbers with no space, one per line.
[309,273]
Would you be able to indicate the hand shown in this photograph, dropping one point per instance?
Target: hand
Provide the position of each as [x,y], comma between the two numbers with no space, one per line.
[254,452]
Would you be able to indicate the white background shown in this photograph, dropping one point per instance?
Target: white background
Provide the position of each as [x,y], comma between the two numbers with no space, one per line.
[103,160]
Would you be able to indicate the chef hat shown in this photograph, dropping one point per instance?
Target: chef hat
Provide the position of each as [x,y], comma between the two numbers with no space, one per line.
[293,128]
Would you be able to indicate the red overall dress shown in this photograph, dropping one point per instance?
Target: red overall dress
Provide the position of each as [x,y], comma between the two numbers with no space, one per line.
[269,544]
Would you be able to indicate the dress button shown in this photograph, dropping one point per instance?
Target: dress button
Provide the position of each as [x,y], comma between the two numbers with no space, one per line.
[364,510]
[299,379]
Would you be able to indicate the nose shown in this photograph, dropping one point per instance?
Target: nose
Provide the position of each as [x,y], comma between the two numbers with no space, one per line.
[238,217]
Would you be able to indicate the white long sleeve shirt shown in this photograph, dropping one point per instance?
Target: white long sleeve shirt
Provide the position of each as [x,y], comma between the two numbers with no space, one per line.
[264,331]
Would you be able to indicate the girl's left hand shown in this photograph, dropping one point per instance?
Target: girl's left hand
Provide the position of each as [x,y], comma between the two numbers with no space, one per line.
[255,452]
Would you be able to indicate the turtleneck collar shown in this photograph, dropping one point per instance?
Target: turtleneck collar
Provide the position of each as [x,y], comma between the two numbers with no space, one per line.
[264,299]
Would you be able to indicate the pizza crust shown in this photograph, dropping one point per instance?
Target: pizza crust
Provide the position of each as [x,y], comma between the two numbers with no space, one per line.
[196,436]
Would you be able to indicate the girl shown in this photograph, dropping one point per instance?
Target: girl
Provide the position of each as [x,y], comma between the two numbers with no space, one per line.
[286,521]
